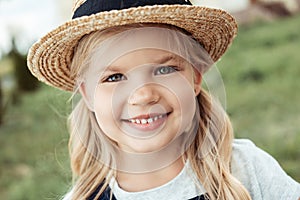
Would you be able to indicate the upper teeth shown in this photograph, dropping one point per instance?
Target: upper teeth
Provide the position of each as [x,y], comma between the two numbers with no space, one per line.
[145,121]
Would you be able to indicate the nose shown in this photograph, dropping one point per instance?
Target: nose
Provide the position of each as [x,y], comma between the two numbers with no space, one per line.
[145,95]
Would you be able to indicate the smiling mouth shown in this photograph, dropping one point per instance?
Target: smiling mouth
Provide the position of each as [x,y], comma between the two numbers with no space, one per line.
[148,122]
[146,119]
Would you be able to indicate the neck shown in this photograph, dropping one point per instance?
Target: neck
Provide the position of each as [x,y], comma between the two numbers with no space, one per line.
[144,181]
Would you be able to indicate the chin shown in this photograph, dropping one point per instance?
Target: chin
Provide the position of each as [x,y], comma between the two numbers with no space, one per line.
[143,147]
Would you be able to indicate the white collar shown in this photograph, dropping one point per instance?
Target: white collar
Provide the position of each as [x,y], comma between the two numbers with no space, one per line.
[183,186]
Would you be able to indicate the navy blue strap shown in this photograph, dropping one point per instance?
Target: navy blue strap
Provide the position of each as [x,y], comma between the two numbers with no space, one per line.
[106,195]
[90,7]
[201,197]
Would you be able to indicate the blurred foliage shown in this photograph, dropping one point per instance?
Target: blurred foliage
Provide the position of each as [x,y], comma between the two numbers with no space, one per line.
[1,103]
[25,80]
[260,72]
[14,69]
[34,157]
[5,72]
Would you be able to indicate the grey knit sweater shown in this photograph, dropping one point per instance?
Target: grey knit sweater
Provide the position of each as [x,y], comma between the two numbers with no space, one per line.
[259,172]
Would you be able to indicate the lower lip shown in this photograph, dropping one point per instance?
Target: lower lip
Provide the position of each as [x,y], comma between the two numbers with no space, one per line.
[149,126]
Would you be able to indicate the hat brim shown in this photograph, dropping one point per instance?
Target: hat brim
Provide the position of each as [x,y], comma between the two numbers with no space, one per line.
[49,59]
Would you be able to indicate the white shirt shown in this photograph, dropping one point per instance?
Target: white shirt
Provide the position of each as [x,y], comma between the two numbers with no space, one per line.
[258,172]
[183,186]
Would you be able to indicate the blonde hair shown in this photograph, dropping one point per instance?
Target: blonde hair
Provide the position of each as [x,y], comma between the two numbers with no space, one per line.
[86,145]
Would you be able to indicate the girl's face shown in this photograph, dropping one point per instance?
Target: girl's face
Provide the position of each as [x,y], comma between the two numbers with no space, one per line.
[145,99]
[142,92]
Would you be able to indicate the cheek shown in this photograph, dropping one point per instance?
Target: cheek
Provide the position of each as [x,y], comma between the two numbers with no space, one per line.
[183,98]
[110,99]
[106,110]
[101,100]
[186,105]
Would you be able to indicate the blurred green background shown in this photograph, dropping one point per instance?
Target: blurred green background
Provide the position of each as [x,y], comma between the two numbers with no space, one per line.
[260,72]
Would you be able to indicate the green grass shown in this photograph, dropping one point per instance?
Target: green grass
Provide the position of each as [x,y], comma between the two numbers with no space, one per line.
[33,140]
[260,72]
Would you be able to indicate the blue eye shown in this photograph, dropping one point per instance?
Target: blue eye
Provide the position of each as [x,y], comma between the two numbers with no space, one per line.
[115,78]
[165,70]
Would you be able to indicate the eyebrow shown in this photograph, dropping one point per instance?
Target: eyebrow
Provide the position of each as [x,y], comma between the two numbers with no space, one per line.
[162,60]
[165,58]
[110,69]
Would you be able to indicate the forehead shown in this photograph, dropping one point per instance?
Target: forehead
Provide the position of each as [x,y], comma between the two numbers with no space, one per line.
[144,45]
[143,38]
[145,56]
[147,44]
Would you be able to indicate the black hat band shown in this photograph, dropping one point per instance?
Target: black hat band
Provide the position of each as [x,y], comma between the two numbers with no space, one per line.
[90,7]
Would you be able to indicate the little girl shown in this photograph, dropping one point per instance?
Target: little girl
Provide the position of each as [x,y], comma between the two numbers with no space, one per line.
[144,127]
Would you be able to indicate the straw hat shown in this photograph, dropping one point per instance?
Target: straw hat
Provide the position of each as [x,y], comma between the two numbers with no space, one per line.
[49,59]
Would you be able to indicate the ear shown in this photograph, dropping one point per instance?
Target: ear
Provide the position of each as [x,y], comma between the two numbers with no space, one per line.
[197,82]
[86,98]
